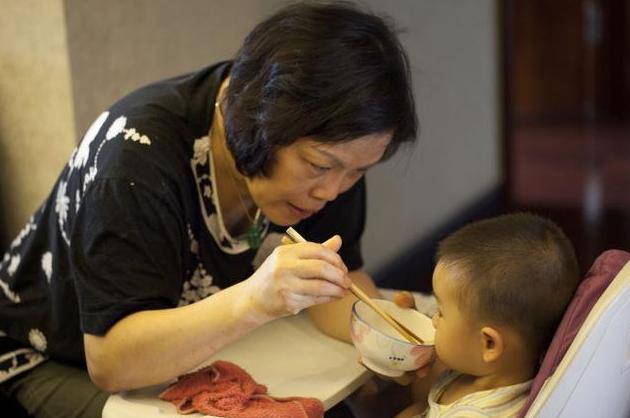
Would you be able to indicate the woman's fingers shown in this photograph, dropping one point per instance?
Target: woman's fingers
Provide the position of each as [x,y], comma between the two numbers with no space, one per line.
[333,243]
[297,302]
[285,240]
[312,250]
[318,269]
[300,275]
[316,287]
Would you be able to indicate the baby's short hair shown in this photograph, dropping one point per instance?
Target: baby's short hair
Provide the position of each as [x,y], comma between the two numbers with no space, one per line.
[517,270]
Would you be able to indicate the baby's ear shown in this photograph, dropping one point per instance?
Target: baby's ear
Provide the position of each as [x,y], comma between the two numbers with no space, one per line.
[492,344]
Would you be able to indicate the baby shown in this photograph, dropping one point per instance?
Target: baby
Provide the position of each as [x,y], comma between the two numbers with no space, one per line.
[502,286]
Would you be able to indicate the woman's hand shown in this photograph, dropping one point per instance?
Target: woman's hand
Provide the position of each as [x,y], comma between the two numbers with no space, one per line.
[297,276]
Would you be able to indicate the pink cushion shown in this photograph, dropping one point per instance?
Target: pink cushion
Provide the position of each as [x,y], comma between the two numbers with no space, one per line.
[601,274]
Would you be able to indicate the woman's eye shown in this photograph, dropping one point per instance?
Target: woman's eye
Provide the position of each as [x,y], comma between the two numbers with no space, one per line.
[319,168]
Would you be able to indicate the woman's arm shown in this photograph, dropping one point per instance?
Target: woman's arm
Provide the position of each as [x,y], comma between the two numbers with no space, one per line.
[333,318]
[151,347]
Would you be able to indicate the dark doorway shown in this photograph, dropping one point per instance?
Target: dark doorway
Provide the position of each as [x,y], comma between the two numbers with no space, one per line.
[567,67]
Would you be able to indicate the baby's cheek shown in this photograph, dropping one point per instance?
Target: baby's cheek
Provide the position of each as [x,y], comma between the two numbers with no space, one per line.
[440,353]
[437,345]
[434,320]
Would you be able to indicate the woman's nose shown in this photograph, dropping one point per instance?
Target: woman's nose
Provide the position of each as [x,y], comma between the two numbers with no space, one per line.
[328,189]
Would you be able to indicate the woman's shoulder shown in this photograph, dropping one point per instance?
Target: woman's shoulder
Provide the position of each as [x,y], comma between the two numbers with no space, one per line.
[188,98]
[132,146]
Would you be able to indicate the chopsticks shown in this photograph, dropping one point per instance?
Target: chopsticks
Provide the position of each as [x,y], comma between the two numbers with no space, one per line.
[295,237]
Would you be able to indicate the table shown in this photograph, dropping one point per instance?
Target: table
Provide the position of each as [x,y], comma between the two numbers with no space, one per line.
[289,355]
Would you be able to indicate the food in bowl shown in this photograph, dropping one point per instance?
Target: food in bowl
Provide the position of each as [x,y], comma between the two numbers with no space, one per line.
[382,348]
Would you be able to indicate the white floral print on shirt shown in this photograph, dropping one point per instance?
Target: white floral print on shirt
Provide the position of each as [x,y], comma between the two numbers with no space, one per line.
[8,293]
[116,128]
[30,226]
[198,287]
[14,264]
[62,205]
[12,260]
[37,340]
[200,284]
[80,158]
[19,361]
[47,265]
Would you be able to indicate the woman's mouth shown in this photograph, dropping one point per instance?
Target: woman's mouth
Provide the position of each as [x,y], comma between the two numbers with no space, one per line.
[301,213]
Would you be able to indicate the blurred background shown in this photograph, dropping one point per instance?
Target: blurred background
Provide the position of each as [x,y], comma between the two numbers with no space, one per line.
[523,105]
[568,98]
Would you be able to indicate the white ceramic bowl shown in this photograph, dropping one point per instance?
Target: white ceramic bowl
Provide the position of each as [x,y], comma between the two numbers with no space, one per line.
[382,348]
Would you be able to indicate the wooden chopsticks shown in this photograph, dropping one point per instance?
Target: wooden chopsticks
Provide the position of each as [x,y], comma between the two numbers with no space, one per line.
[295,237]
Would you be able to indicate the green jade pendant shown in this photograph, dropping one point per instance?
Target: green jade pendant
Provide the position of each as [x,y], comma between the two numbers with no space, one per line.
[254,235]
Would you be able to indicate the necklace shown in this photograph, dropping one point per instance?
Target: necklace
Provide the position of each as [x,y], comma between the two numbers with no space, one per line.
[254,233]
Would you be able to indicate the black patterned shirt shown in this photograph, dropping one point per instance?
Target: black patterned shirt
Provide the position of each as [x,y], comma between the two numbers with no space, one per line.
[132,224]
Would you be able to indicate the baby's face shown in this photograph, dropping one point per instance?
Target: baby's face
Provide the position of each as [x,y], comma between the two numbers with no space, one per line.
[458,340]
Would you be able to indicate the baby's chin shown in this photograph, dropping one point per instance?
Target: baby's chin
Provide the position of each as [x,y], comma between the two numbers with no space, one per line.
[447,364]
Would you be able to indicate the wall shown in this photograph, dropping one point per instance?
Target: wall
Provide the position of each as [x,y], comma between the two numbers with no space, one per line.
[118,45]
[36,120]
[454,53]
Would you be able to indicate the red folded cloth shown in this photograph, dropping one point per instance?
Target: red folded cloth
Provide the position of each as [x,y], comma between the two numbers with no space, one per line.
[224,389]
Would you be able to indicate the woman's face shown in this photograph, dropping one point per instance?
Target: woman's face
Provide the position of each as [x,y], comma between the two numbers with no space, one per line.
[308,174]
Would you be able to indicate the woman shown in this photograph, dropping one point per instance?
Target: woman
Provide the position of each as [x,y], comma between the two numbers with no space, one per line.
[159,243]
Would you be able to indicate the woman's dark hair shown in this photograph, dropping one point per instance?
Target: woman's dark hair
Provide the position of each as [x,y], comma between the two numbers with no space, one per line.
[328,71]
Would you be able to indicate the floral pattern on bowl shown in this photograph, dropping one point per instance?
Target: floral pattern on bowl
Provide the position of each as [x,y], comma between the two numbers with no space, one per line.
[381,348]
